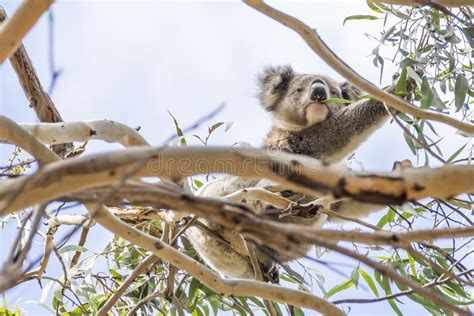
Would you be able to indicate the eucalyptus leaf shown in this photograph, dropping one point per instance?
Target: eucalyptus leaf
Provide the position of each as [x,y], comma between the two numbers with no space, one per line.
[460,91]
[338,288]
[369,282]
[70,248]
[360,17]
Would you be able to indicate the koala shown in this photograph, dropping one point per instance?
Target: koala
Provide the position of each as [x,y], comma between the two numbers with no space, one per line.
[302,124]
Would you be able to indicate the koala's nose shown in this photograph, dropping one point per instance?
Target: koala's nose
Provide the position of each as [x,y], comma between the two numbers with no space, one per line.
[318,93]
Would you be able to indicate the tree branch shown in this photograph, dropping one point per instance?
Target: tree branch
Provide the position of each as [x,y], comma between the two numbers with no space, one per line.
[296,172]
[109,131]
[144,265]
[38,98]
[239,218]
[219,285]
[12,133]
[15,28]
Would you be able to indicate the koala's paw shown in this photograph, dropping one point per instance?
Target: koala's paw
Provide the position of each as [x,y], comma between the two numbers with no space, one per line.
[350,92]
[401,165]
[410,86]
[270,274]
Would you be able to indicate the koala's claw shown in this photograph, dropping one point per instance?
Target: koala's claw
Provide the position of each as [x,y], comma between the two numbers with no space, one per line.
[309,210]
[270,274]
[401,165]
[291,210]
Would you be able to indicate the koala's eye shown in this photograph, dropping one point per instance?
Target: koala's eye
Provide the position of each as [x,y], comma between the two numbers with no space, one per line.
[299,90]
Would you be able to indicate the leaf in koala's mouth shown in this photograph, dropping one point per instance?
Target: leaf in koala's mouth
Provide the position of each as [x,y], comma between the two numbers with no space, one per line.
[337,100]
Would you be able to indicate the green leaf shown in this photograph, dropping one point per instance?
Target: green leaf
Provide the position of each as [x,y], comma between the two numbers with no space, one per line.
[394,306]
[459,290]
[337,100]
[405,118]
[456,153]
[401,87]
[200,139]
[355,276]
[193,287]
[400,14]
[407,62]
[115,274]
[257,302]
[412,265]
[214,304]
[387,33]
[179,132]
[410,143]
[298,311]
[244,305]
[426,49]
[197,183]
[70,248]
[360,17]
[338,288]
[6,312]
[412,74]
[369,282]
[382,222]
[294,276]
[460,91]
[385,284]
[469,35]
[374,7]
[215,126]
[425,87]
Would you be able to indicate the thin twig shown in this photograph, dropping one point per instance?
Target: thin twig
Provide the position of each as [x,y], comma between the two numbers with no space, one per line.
[81,243]
[197,123]
[144,265]
[51,53]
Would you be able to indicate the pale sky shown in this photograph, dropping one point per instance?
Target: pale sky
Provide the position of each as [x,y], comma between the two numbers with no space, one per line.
[132,61]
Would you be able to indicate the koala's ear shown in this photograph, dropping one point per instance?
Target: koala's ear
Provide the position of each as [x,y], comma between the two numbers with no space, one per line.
[274,82]
[349,92]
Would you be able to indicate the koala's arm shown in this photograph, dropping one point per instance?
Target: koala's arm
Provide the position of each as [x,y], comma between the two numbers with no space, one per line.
[359,120]
[345,130]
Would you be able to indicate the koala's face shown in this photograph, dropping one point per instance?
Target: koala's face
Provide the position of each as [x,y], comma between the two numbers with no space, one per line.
[297,100]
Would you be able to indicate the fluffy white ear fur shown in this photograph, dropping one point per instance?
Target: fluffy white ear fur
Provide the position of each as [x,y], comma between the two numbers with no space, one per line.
[273,80]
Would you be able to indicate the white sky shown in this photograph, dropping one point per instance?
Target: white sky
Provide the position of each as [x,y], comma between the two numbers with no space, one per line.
[132,61]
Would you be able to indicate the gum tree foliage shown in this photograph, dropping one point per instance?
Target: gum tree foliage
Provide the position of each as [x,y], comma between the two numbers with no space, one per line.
[431,47]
